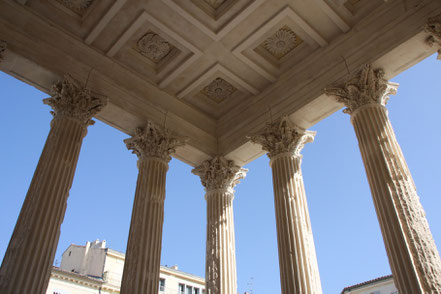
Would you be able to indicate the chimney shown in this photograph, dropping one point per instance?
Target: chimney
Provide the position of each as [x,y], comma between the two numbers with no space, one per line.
[175,267]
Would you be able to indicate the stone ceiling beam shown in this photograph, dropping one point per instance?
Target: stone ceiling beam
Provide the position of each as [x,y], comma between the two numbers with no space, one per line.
[298,93]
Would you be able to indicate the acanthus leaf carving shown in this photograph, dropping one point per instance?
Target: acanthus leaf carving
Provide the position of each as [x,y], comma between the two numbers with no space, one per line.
[70,99]
[219,173]
[433,27]
[282,137]
[367,86]
[153,141]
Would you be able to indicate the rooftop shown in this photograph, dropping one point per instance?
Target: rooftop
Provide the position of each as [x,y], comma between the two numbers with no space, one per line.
[370,282]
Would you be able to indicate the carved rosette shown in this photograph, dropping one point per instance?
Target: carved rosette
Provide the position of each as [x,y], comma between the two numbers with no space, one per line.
[219,90]
[154,142]
[433,27]
[154,46]
[219,174]
[282,137]
[282,42]
[70,99]
[368,86]
[3,47]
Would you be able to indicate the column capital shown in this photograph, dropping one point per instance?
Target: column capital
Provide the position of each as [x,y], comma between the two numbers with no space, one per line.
[70,99]
[219,173]
[433,28]
[153,141]
[367,86]
[282,137]
[3,46]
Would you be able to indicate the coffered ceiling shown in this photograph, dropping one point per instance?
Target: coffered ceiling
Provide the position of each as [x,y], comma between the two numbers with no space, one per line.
[214,70]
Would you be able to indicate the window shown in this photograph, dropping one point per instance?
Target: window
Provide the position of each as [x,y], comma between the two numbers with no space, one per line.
[181,289]
[161,285]
[185,289]
[70,252]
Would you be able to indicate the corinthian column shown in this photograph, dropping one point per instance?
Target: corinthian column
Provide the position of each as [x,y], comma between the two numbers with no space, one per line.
[28,260]
[153,146]
[433,28]
[297,258]
[219,176]
[413,257]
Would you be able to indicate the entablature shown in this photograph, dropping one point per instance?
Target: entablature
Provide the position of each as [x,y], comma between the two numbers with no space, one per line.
[216,73]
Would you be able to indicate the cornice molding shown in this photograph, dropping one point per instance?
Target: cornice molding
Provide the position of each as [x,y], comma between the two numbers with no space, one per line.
[433,27]
[3,47]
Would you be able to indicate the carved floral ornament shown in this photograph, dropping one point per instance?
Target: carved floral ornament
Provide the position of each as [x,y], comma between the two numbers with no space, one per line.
[433,27]
[153,141]
[368,86]
[3,47]
[282,42]
[70,99]
[219,173]
[219,90]
[154,46]
[282,137]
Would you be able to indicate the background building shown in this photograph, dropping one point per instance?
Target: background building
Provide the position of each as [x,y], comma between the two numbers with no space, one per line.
[96,269]
[382,285]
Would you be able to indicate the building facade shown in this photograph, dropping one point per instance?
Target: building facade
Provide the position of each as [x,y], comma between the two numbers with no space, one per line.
[382,285]
[197,80]
[96,269]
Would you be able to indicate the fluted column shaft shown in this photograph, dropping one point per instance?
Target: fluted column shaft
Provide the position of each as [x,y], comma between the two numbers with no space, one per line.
[219,176]
[220,267]
[413,256]
[31,251]
[297,256]
[153,145]
[142,263]
[299,271]
[28,260]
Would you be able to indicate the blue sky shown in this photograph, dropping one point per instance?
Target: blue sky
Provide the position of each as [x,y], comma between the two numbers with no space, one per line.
[346,231]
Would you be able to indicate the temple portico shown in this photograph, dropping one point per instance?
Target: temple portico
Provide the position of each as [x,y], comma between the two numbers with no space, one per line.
[217,84]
